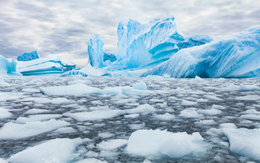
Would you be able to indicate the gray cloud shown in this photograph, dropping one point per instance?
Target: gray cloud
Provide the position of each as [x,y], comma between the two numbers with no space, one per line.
[64,27]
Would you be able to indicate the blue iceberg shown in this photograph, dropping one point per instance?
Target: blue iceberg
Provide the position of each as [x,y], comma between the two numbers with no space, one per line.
[237,56]
[7,66]
[28,56]
[143,45]
[44,66]
[96,52]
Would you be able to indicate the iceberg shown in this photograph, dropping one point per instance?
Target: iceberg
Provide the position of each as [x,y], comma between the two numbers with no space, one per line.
[95,51]
[28,56]
[236,56]
[7,66]
[143,45]
[48,65]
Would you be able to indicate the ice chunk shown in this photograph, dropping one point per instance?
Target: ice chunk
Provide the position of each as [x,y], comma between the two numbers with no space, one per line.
[10,129]
[241,87]
[132,116]
[7,66]
[111,144]
[82,89]
[4,113]
[245,142]
[3,83]
[91,160]
[140,86]
[142,109]
[188,103]
[96,52]
[36,111]
[76,89]
[190,113]
[248,98]
[28,56]
[234,56]
[65,130]
[106,135]
[209,111]
[251,116]
[152,143]
[79,82]
[40,117]
[3,161]
[95,115]
[164,117]
[206,122]
[56,151]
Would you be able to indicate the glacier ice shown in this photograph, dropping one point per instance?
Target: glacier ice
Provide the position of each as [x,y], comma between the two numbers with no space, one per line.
[48,65]
[235,56]
[28,56]
[7,66]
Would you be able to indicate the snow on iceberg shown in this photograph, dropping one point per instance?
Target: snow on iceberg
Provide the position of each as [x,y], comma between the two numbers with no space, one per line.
[154,143]
[48,65]
[28,56]
[234,56]
[7,66]
[56,150]
[243,141]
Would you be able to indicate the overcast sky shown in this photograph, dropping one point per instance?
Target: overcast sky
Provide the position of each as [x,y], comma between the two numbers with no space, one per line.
[64,27]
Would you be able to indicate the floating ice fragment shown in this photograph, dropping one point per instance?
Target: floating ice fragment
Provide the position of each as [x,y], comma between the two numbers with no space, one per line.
[111,144]
[53,151]
[152,143]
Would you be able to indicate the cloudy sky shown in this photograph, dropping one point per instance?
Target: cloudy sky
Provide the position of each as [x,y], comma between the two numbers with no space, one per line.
[64,27]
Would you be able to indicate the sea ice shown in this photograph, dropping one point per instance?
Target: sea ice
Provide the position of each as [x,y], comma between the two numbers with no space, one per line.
[95,115]
[111,144]
[152,143]
[39,117]
[4,113]
[142,109]
[190,113]
[245,142]
[164,117]
[10,129]
[209,111]
[52,151]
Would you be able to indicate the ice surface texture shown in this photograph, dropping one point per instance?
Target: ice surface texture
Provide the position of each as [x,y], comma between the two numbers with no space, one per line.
[234,56]
[28,56]
[7,66]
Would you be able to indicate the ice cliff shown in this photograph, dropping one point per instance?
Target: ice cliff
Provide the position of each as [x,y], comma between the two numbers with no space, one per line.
[28,56]
[236,56]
